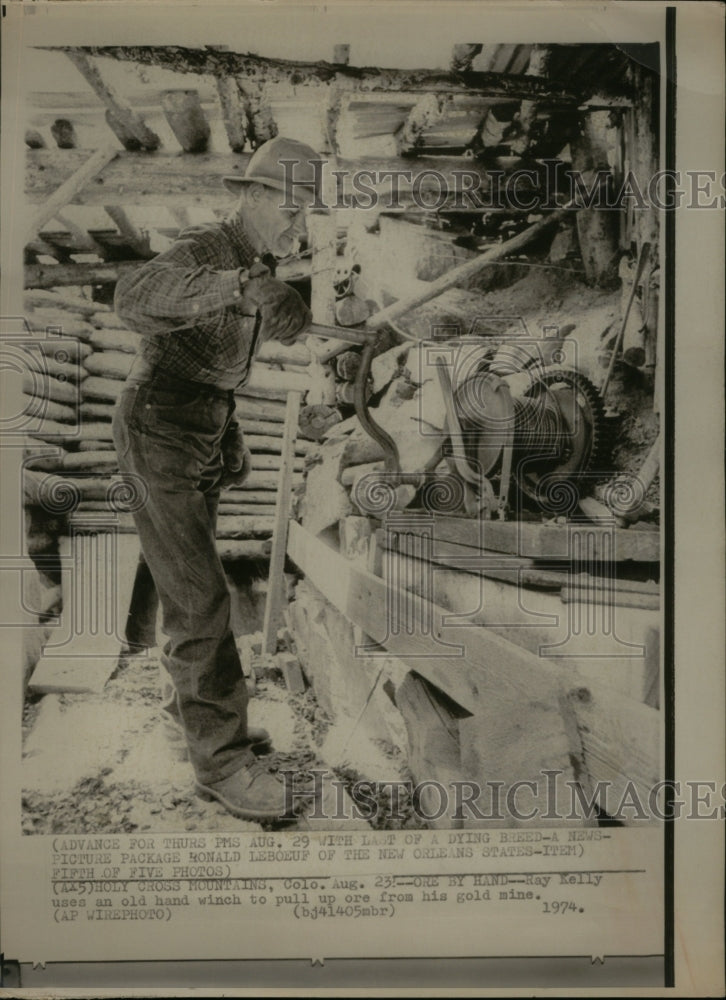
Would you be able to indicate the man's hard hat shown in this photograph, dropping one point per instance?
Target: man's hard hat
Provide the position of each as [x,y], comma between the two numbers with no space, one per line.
[266,167]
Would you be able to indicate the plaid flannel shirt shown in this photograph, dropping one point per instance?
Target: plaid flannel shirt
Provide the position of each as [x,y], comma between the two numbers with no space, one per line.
[186,305]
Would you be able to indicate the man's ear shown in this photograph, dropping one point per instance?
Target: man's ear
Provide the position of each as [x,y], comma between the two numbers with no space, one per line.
[256,193]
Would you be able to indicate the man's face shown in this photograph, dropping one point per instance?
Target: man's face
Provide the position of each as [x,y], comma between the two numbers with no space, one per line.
[279,230]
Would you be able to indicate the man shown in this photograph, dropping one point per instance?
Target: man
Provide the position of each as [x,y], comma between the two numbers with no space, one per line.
[203,308]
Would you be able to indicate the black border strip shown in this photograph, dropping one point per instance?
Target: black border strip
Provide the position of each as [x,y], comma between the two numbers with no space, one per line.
[668,499]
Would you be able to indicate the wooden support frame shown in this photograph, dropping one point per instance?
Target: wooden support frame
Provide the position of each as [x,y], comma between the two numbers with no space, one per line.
[276,580]
[63,195]
[127,125]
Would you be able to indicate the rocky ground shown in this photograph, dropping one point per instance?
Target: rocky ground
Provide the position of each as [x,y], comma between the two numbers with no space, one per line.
[104,762]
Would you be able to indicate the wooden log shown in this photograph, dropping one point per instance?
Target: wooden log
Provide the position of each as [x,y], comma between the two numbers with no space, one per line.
[263,379]
[64,133]
[95,444]
[89,461]
[98,431]
[597,230]
[47,363]
[263,427]
[34,140]
[138,241]
[231,550]
[247,509]
[275,586]
[109,364]
[273,353]
[260,409]
[312,74]
[63,350]
[244,527]
[233,112]
[194,179]
[183,112]
[105,389]
[127,125]
[263,462]
[273,443]
[52,431]
[56,324]
[261,479]
[115,340]
[38,384]
[58,275]
[40,408]
[322,233]
[68,190]
[62,303]
[237,498]
[96,411]
[82,240]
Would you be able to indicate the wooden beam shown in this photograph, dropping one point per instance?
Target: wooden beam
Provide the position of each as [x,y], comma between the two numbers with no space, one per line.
[233,112]
[136,239]
[127,125]
[69,189]
[183,112]
[182,181]
[63,275]
[80,236]
[303,74]
[550,541]
[64,134]
[275,585]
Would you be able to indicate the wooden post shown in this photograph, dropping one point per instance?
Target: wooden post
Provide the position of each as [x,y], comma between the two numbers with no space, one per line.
[183,111]
[62,195]
[322,230]
[64,134]
[127,125]
[83,239]
[33,139]
[138,241]
[275,584]
[233,112]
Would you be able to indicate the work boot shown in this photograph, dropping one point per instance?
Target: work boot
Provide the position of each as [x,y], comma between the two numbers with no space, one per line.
[259,739]
[250,793]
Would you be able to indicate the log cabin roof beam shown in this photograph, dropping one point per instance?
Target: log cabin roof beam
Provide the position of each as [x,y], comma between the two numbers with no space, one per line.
[363,78]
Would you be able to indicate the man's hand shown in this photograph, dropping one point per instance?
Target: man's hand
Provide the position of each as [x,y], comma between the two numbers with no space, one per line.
[236,457]
[284,314]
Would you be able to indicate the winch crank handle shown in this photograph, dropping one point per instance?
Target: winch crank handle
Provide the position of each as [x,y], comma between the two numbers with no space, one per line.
[360,403]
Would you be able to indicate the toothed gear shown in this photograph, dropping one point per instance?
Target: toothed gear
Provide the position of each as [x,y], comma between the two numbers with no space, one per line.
[586,445]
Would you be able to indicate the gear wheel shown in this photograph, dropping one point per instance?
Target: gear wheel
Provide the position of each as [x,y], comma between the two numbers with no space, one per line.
[582,441]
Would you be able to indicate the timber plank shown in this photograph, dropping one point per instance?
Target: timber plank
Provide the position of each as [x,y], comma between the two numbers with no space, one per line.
[550,541]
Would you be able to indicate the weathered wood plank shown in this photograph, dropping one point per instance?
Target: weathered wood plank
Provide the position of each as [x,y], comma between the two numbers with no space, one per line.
[551,541]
